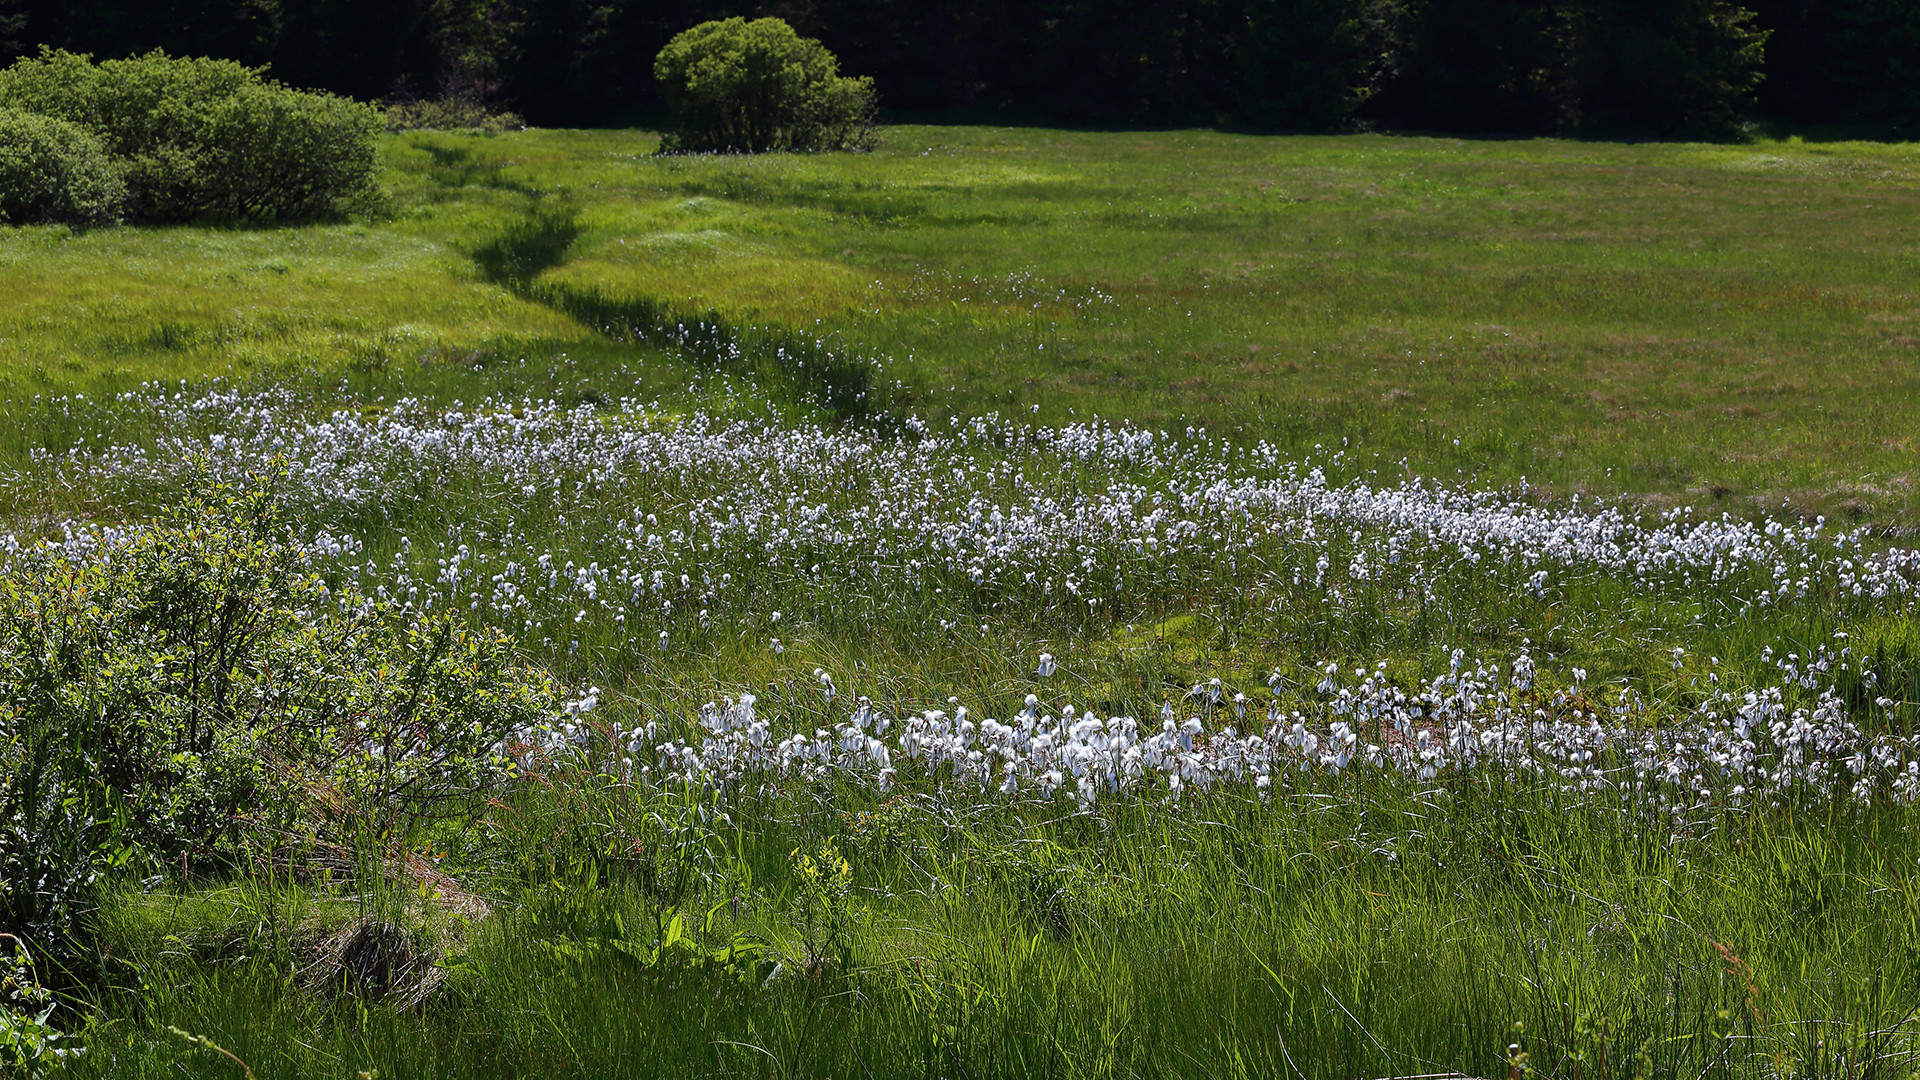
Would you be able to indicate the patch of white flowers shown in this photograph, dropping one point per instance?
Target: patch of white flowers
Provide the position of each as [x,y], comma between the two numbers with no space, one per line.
[674,524]
[675,514]
[1739,750]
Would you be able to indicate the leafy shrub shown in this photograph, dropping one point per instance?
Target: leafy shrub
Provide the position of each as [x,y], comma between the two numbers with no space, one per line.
[208,138]
[53,171]
[275,154]
[454,112]
[734,85]
[171,690]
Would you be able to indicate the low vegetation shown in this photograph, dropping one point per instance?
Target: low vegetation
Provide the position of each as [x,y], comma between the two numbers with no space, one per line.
[194,139]
[681,615]
[449,112]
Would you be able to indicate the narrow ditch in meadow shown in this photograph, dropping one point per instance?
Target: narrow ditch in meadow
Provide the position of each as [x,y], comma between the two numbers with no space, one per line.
[816,371]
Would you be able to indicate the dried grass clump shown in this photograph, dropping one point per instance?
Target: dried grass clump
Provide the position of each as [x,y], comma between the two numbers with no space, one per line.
[380,959]
[411,913]
[393,954]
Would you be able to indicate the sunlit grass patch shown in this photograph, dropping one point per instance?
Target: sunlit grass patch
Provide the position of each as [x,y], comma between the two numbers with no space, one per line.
[699,268]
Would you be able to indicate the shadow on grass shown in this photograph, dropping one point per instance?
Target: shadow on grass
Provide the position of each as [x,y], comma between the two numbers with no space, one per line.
[536,241]
[815,370]
[456,166]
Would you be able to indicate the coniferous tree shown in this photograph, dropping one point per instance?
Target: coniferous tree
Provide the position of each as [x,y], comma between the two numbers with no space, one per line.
[1659,68]
[555,49]
[13,25]
[1887,32]
[227,29]
[1664,68]
[1311,63]
[1842,61]
[1479,65]
[363,48]
[936,55]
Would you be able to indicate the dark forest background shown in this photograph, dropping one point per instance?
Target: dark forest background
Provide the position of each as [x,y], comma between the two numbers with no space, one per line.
[1605,67]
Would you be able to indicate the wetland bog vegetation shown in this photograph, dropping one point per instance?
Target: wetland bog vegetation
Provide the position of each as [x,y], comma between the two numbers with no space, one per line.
[1015,603]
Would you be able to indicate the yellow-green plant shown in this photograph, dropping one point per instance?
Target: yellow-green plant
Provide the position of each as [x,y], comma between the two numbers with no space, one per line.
[822,913]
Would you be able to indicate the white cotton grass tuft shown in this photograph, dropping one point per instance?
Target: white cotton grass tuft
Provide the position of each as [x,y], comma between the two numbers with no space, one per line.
[1732,751]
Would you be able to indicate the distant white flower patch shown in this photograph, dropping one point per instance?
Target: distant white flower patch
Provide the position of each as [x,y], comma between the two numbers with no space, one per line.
[1069,518]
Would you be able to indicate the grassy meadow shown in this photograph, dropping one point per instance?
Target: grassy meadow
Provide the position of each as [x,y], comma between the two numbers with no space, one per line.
[1678,323]
[1041,603]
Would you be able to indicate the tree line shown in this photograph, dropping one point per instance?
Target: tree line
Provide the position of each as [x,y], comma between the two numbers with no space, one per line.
[1658,68]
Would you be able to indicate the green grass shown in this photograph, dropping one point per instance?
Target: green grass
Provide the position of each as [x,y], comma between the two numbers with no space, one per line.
[1366,936]
[1727,327]
[1678,323]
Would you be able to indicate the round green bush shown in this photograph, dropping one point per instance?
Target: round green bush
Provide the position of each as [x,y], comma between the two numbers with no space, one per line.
[53,171]
[203,138]
[282,155]
[735,85]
